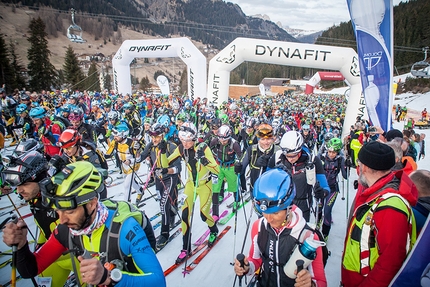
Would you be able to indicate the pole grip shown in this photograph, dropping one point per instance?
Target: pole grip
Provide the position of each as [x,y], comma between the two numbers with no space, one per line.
[299,264]
[241,258]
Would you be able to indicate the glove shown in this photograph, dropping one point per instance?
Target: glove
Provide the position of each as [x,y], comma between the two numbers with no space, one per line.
[348,163]
[320,193]
[238,167]
[262,160]
[163,146]
[214,179]
[26,127]
[159,172]
[204,161]
[200,153]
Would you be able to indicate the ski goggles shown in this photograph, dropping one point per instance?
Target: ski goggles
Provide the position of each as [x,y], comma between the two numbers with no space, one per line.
[75,117]
[289,154]
[265,131]
[12,178]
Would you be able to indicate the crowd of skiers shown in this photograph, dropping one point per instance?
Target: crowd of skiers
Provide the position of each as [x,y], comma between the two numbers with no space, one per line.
[285,151]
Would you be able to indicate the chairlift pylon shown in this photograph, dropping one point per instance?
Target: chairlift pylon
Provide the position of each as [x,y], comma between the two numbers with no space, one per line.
[421,69]
[74,32]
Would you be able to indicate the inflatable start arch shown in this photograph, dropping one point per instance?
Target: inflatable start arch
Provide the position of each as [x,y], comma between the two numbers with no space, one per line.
[160,48]
[344,60]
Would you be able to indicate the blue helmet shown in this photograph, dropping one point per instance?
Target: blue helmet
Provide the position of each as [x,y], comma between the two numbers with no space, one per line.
[21,108]
[37,113]
[164,120]
[121,130]
[273,191]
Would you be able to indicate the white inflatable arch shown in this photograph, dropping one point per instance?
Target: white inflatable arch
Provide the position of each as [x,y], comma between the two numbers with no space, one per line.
[160,48]
[344,60]
[322,76]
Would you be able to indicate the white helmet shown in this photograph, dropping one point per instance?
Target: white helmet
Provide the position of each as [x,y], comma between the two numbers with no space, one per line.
[224,132]
[187,132]
[291,142]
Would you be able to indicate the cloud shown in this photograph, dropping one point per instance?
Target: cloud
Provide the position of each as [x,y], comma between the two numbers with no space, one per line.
[308,14]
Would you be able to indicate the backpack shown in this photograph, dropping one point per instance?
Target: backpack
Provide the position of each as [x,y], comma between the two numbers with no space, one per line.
[110,237]
[264,237]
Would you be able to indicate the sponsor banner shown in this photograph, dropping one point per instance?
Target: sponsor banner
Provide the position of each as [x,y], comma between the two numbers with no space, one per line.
[373,25]
[163,84]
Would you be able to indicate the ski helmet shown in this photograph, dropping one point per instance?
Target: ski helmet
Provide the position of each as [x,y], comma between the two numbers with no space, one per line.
[37,113]
[216,124]
[121,130]
[69,138]
[335,144]
[28,145]
[21,108]
[224,132]
[273,191]
[76,114]
[164,120]
[74,185]
[32,166]
[113,115]
[291,142]
[188,132]
[156,129]
[328,136]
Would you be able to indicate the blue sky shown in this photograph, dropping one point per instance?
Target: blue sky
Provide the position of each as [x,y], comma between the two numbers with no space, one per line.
[300,14]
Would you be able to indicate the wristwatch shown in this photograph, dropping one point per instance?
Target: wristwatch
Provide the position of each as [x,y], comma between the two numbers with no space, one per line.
[115,276]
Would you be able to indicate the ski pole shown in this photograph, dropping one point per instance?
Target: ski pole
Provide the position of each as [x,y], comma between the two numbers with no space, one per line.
[235,216]
[198,166]
[243,246]
[131,181]
[145,186]
[343,188]
[20,216]
[347,191]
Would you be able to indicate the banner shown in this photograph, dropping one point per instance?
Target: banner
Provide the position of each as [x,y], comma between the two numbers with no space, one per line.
[415,270]
[262,89]
[163,84]
[372,21]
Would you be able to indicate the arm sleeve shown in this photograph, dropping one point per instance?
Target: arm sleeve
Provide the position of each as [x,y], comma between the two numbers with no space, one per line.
[254,257]
[30,264]
[320,173]
[317,267]
[134,243]
[213,165]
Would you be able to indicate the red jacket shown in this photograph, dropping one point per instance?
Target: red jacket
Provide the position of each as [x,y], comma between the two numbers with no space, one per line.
[391,228]
[51,139]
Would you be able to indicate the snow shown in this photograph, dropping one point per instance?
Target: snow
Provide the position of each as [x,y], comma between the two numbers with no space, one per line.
[215,269]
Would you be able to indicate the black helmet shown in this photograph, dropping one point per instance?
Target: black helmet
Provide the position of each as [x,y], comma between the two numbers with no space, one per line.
[156,129]
[32,166]
[28,145]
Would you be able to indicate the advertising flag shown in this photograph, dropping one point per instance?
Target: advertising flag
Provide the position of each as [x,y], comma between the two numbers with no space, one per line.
[372,21]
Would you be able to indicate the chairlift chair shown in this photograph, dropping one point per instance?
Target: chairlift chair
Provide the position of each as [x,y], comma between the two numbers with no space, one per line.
[74,32]
[421,69]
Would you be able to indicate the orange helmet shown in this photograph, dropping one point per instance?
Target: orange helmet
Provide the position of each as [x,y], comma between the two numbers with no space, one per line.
[264,131]
[69,138]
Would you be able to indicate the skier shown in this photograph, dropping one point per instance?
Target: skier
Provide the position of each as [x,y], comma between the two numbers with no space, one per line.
[276,235]
[200,165]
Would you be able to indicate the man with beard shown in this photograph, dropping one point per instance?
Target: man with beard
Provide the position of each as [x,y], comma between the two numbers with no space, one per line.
[381,227]
[84,225]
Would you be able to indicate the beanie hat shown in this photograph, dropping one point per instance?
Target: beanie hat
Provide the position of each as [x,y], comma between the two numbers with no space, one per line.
[377,156]
[392,134]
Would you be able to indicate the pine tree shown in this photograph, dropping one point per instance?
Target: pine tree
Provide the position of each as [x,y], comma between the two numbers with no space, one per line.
[40,70]
[145,85]
[6,76]
[92,83]
[73,74]
[16,68]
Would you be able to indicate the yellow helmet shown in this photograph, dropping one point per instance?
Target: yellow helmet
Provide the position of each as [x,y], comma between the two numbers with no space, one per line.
[74,185]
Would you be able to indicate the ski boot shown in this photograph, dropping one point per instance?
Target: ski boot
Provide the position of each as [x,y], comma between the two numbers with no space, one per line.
[213,235]
[182,256]
[162,241]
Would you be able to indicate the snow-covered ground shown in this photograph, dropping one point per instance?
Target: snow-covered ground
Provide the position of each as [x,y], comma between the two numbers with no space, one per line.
[215,270]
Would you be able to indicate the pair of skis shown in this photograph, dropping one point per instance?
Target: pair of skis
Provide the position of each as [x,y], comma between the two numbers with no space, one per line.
[232,213]
[190,267]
